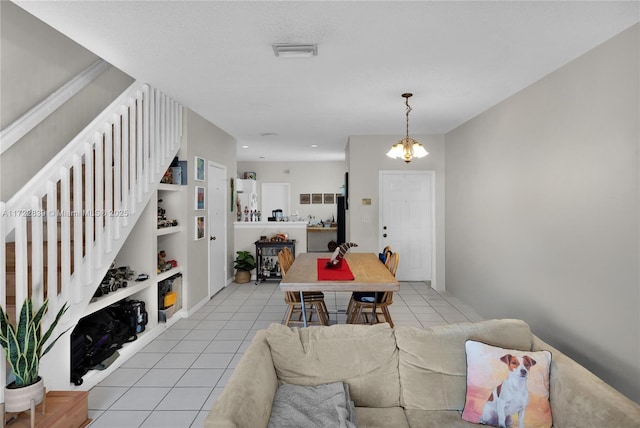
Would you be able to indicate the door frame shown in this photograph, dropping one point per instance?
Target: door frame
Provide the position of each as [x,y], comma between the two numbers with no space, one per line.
[427,172]
[209,215]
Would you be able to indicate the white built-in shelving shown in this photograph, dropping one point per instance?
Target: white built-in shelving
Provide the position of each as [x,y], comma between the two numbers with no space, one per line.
[140,253]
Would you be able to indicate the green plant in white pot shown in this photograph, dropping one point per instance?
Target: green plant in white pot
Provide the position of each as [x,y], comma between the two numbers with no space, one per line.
[243,264]
[23,344]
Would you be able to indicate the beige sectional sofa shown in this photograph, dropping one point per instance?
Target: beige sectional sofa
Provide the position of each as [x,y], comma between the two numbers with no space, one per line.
[404,377]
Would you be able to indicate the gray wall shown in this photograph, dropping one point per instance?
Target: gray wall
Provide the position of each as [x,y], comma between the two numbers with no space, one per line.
[365,158]
[542,218]
[203,139]
[35,60]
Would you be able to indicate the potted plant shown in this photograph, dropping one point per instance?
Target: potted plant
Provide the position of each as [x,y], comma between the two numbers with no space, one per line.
[23,345]
[243,264]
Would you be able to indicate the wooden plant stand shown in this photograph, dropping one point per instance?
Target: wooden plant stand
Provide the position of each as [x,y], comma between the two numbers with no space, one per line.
[64,409]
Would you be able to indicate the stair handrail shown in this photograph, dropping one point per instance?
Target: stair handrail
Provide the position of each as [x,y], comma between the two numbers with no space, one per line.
[25,123]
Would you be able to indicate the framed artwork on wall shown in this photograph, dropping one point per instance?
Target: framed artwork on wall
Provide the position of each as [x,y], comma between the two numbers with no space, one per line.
[199,169]
[316,198]
[328,198]
[199,198]
[199,227]
[305,198]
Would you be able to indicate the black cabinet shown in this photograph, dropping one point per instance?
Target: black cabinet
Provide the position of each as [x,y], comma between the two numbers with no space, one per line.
[267,265]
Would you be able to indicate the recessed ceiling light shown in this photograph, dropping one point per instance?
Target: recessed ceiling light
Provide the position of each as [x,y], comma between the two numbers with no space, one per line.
[245,147]
[291,50]
[314,146]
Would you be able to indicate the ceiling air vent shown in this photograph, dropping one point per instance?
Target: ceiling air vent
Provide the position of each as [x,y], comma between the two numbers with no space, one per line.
[295,51]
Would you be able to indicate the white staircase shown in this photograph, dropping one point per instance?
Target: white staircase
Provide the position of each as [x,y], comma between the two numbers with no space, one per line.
[60,233]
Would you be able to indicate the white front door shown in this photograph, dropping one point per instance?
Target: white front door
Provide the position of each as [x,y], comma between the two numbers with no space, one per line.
[407,221]
[217,226]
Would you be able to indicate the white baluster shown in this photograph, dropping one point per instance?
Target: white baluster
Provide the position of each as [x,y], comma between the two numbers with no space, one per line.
[117,176]
[77,216]
[21,261]
[125,165]
[139,157]
[108,188]
[89,219]
[65,235]
[99,198]
[37,263]
[52,238]
[131,141]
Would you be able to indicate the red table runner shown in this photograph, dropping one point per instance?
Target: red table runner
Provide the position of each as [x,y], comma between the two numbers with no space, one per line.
[340,273]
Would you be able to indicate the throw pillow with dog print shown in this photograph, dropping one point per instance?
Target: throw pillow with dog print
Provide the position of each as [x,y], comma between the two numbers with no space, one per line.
[506,387]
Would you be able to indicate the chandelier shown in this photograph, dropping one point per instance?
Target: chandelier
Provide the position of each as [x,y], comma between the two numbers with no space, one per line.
[407,148]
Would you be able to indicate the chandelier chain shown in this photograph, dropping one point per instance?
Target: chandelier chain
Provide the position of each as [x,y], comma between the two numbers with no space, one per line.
[408,111]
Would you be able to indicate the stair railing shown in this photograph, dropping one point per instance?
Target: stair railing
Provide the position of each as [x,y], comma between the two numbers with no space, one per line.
[69,221]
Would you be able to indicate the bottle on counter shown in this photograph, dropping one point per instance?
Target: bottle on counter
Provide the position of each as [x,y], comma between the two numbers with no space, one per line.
[246,214]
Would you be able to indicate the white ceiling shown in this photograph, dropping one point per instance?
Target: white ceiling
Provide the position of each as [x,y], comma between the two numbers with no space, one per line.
[215,57]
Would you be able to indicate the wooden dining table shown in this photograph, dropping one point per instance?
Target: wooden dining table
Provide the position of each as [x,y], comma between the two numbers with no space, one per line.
[370,275]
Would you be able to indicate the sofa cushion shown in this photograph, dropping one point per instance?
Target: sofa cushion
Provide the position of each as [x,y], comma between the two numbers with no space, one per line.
[433,364]
[323,405]
[371,417]
[490,368]
[363,356]
[436,419]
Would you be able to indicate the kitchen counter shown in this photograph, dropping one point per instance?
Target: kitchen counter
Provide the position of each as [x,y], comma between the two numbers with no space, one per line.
[269,224]
[314,229]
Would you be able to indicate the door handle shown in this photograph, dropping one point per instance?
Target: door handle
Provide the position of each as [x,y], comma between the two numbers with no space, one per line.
[212,238]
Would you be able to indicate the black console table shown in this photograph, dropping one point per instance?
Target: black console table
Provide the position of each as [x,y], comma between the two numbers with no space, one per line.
[267,265]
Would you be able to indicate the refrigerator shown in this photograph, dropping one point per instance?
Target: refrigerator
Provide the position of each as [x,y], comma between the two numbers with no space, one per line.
[247,196]
[341,220]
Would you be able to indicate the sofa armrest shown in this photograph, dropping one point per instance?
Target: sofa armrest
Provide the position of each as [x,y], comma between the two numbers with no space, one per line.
[581,399]
[248,395]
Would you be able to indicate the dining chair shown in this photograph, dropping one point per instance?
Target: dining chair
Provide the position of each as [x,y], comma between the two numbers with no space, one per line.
[289,255]
[314,301]
[384,257]
[362,306]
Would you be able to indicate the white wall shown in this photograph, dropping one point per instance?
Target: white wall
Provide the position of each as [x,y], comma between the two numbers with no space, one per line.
[35,60]
[367,156]
[203,139]
[305,177]
[542,218]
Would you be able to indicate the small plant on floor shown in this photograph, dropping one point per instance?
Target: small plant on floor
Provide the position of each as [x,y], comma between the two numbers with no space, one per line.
[23,342]
[243,264]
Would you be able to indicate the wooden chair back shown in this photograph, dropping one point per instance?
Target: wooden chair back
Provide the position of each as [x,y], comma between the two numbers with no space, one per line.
[285,264]
[392,262]
[288,254]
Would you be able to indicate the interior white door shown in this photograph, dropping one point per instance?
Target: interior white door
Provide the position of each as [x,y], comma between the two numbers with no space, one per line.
[217,226]
[407,221]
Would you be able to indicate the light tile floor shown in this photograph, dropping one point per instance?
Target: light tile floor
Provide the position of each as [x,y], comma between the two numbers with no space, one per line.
[174,381]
